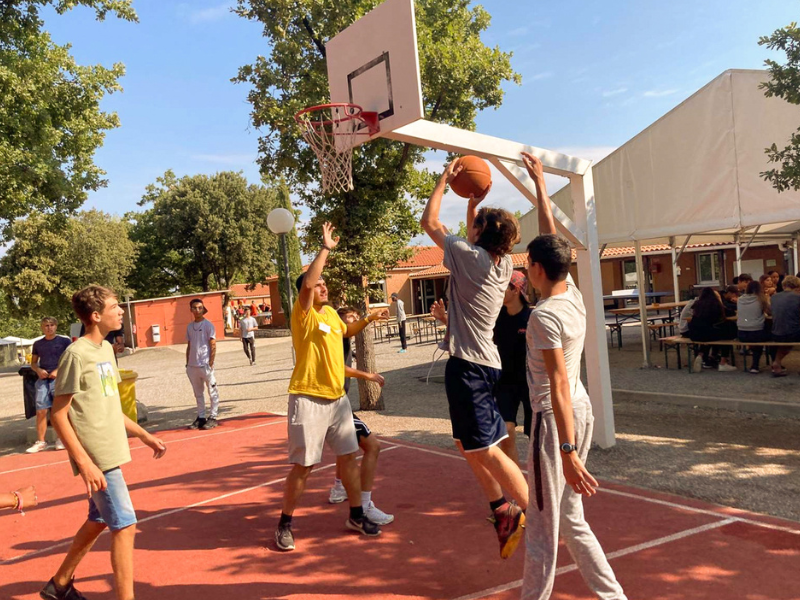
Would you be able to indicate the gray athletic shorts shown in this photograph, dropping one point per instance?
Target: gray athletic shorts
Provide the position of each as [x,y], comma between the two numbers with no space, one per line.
[314,421]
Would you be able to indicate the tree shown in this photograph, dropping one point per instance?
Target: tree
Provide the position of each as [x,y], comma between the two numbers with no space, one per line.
[784,83]
[52,258]
[203,232]
[24,326]
[293,248]
[50,117]
[377,219]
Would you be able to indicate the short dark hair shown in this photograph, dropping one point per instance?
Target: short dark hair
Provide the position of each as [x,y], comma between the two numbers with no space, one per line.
[196,301]
[346,310]
[553,253]
[89,300]
[731,289]
[499,230]
[298,283]
[743,277]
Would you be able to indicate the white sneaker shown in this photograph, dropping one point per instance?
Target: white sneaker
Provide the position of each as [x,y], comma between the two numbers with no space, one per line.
[338,494]
[59,445]
[376,515]
[38,446]
[726,368]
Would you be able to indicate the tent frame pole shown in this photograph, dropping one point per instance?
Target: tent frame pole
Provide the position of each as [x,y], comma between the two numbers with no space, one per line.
[676,288]
[642,305]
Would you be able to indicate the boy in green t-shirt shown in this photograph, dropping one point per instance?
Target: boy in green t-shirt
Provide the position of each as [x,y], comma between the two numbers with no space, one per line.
[87,415]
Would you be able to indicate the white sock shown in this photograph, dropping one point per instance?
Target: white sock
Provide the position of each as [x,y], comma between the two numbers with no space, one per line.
[366,498]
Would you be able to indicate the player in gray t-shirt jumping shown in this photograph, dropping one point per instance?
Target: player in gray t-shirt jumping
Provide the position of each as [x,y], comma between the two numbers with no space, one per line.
[480,271]
[562,431]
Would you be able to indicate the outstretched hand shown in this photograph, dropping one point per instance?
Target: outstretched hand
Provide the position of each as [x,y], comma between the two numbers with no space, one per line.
[327,236]
[473,201]
[534,166]
[437,310]
[452,170]
[380,315]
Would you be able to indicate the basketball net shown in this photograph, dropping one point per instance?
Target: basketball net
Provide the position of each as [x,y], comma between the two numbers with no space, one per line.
[331,130]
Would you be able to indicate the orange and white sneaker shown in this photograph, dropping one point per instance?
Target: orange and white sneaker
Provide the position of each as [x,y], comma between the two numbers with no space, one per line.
[509,525]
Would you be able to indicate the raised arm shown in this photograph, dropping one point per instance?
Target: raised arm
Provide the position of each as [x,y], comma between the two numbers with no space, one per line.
[547,223]
[306,297]
[430,216]
[438,312]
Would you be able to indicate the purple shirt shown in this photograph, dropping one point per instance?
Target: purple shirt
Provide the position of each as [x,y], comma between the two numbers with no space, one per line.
[49,351]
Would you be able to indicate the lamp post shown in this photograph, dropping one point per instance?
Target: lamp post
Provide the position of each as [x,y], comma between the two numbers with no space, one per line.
[280,222]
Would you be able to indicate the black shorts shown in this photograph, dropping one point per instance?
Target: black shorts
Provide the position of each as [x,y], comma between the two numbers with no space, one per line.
[791,338]
[362,430]
[476,422]
[508,397]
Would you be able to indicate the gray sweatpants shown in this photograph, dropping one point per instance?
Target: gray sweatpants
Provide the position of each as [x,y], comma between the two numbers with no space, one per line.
[554,509]
[202,378]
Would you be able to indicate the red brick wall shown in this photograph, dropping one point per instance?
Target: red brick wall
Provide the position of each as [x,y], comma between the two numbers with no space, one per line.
[173,315]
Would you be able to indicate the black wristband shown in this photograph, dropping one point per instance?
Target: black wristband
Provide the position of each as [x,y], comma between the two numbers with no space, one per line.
[326,248]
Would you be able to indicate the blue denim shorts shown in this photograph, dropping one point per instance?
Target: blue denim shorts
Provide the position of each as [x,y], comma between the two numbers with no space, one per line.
[45,390]
[113,505]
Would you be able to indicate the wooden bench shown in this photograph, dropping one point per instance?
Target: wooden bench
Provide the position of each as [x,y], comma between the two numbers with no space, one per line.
[676,341]
[657,329]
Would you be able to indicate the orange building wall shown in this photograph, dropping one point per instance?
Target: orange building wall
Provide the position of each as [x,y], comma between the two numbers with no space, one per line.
[398,282]
[173,316]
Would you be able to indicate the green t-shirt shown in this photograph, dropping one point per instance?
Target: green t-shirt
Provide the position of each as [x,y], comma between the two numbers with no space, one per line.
[88,371]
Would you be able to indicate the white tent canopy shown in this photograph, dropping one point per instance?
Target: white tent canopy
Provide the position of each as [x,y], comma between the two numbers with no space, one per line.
[697,170]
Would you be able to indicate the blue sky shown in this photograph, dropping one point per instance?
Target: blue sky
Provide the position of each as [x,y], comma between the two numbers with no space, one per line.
[594,75]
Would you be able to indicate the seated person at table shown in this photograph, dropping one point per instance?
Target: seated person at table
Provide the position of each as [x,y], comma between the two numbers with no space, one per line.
[729,300]
[686,317]
[741,282]
[709,324]
[768,285]
[751,321]
[785,321]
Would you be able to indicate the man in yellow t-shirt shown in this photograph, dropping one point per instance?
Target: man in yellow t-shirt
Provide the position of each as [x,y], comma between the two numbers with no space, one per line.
[319,410]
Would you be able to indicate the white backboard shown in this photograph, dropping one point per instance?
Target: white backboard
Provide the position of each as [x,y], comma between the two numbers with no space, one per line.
[374,63]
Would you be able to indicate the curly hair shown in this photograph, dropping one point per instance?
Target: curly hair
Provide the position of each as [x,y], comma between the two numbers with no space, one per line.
[499,230]
[89,300]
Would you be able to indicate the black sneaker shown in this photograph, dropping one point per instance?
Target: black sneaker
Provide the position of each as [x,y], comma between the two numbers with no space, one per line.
[197,423]
[284,538]
[363,526]
[50,592]
[209,424]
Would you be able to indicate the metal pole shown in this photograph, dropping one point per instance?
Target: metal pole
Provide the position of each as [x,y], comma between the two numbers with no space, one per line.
[795,266]
[130,323]
[642,305]
[287,310]
[676,288]
[737,266]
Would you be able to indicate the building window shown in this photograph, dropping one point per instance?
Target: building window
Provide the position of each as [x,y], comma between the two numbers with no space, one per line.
[708,270]
[629,278]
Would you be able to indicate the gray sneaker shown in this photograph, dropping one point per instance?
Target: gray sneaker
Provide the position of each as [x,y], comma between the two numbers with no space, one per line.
[284,538]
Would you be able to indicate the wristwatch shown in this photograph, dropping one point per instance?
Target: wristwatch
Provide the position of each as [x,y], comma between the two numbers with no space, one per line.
[566,447]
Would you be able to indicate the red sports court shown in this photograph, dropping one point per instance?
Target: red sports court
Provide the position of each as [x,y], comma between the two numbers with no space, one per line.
[207,512]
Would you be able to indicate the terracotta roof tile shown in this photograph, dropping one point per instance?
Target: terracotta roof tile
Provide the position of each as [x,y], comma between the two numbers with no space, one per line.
[424,256]
[239,290]
[517,260]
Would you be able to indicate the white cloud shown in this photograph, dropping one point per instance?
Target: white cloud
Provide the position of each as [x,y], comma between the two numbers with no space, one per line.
[225,159]
[210,14]
[542,75]
[518,31]
[659,93]
[609,93]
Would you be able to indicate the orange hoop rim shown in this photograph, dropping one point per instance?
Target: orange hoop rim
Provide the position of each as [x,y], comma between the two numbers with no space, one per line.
[353,112]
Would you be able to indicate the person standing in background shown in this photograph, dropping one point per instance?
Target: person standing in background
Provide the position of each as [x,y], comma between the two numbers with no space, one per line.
[401,323]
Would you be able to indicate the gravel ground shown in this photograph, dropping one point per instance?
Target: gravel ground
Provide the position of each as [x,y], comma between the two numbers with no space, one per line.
[744,460]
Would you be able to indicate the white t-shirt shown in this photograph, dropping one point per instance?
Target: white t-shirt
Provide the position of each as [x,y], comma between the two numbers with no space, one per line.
[198,336]
[557,322]
[401,310]
[248,325]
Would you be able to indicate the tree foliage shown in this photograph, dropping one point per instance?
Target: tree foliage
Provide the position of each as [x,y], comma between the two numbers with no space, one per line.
[51,259]
[204,233]
[292,246]
[50,117]
[375,221]
[784,83]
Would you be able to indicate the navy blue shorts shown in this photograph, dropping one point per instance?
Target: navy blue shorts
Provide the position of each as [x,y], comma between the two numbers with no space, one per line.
[476,421]
[509,396]
[362,430]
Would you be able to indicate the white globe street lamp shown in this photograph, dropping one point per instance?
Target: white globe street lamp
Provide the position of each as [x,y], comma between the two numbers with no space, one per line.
[280,222]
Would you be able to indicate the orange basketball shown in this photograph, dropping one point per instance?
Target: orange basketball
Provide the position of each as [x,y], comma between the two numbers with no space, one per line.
[473,179]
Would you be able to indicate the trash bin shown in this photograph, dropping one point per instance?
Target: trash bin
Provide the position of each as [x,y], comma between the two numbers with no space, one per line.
[127,393]
[29,378]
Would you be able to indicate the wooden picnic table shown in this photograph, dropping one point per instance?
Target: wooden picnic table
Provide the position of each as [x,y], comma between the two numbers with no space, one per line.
[634,310]
[631,314]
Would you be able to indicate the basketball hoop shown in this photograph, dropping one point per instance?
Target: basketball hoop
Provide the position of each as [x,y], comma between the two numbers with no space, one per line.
[331,130]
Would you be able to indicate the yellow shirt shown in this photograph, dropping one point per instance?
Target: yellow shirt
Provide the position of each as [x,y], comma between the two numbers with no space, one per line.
[318,343]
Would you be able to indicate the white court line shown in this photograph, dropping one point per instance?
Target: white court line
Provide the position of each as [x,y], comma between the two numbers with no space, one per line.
[623,552]
[174,511]
[194,437]
[702,511]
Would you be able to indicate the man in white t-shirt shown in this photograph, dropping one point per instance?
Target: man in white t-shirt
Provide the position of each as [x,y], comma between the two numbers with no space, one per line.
[401,323]
[200,353]
[562,431]
[248,326]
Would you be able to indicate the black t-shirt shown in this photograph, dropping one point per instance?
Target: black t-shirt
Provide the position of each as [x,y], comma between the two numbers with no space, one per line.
[509,337]
[348,361]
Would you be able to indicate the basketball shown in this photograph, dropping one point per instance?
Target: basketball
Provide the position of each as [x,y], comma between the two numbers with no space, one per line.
[474,177]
